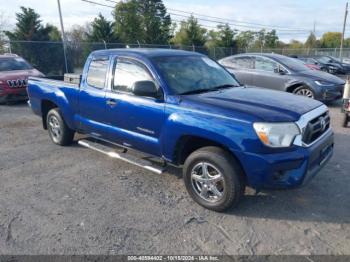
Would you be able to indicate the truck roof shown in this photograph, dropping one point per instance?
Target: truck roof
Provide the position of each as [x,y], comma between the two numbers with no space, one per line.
[145,52]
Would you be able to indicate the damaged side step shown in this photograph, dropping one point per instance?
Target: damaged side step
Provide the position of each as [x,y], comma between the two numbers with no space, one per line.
[110,150]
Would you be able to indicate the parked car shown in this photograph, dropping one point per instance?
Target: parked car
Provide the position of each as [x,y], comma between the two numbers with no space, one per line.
[313,66]
[328,64]
[14,73]
[311,63]
[284,73]
[188,111]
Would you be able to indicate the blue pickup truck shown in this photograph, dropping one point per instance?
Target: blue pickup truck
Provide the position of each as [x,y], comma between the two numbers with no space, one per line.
[186,110]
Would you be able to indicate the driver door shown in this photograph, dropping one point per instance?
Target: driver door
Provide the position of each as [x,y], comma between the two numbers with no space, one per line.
[135,121]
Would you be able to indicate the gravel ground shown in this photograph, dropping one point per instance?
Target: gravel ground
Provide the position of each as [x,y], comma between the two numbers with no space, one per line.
[56,200]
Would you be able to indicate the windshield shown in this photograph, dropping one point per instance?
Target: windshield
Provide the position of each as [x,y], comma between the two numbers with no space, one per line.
[294,64]
[324,59]
[15,63]
[193,74]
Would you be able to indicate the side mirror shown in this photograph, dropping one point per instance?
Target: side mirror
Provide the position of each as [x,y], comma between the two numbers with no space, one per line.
[145,88]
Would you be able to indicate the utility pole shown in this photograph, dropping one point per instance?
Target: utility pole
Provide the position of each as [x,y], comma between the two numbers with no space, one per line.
[342,37]
[63,36]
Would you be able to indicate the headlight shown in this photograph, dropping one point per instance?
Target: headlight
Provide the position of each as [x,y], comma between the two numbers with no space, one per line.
[323,83]
[277,134]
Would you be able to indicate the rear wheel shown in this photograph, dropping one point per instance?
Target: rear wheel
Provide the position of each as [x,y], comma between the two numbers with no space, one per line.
[59,132]
[304,91]
[213,178]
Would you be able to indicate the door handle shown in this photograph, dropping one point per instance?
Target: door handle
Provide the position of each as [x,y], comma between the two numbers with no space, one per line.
[111,102]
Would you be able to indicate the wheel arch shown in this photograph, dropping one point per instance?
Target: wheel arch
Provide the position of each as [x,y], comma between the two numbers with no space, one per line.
[291,87]
[187,144]
[46,106]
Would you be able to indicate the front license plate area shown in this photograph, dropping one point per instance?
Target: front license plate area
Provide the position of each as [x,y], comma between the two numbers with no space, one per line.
[324,153]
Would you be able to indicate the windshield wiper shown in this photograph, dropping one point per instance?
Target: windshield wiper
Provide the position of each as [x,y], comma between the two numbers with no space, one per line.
[198,91]
[223,86]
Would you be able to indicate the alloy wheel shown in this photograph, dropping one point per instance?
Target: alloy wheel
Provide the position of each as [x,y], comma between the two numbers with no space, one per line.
[305,92]
[55,128]
[207,182]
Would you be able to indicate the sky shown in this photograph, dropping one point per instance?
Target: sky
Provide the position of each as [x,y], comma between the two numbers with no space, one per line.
[294,18]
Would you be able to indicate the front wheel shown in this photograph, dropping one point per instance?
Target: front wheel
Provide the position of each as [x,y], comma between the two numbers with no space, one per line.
[59,132]
[304,91]
[213,178]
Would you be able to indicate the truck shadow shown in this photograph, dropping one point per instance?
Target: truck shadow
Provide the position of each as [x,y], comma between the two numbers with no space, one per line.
[325,199]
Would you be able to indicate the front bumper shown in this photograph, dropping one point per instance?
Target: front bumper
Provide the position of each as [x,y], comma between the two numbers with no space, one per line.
[331,94]
[287,169]
[9,95]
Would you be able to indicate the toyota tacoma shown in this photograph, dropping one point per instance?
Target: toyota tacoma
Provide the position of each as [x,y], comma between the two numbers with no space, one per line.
[186,110]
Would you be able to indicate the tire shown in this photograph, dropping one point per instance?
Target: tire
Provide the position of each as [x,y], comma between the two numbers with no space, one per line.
[304,91]
[217,162]
[58,130]
[346,120]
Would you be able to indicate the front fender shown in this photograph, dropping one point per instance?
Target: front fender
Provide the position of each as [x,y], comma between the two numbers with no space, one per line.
[235,135]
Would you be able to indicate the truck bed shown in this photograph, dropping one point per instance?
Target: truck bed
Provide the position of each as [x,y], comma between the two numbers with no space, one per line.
[48,81]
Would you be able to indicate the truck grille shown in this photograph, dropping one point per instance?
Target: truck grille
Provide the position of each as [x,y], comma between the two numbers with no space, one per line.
[17,83]
[316,128]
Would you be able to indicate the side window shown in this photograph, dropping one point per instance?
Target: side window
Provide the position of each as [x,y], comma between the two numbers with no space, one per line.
[97,72]
[127,72]
[265,64]
[243,62]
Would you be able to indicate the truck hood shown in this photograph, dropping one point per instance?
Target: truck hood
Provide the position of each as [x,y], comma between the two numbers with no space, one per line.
[252,104]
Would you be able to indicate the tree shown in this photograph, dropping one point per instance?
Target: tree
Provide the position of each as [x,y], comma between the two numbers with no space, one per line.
[190,33]
[295,44]
[29,28]
[78,47]
[331,40]
[139,21]
[226,36]
[101,30]
[245,39]
[271,39]
[156,21]
[128,22]
[2,35]
[311,41]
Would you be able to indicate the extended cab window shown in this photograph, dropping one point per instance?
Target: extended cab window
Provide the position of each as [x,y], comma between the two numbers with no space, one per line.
[97,73]
[127,72]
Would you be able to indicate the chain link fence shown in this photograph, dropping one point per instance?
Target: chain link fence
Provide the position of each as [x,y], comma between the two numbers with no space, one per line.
[48,57]
[335,52]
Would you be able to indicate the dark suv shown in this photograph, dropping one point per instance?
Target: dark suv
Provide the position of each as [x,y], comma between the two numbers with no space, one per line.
[285,74]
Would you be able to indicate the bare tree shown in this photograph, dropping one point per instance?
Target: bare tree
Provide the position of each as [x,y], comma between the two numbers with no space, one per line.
[3,25]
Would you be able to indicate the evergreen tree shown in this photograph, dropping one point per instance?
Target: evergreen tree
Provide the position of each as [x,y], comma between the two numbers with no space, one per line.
[101,30]
[156,22]
[138,21]
[311,41]
[190,33]
[47,57]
